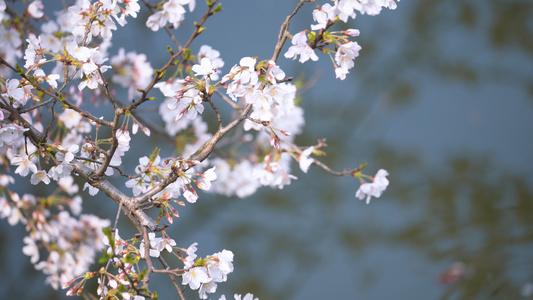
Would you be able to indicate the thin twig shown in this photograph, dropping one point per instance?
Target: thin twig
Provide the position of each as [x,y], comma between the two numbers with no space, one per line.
[167,27]
[215,109]
[172,278]
[322,143]
[158,73]
[284,30]
[117,217]
[107,92]
[36,105]
[228,100]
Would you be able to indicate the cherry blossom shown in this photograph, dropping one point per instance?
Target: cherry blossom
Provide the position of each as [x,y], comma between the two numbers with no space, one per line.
[213,55]
[163,243]
[70,118]
[131,70]
[210,271]
[31,249]
[191,255]
[156,245]
[195,277]
[13,90]
[246,297]
[81,238]
[11,136]
[345,55]
[301,48]
[40,176]
[322,16]
[172,11]
[60,171]
[190,196]
[341,73]
[67,184]
[306,160]
[92,190]
[375,188]
[205,68]
[207,177]
[2,9]
[25,165]
[35,9]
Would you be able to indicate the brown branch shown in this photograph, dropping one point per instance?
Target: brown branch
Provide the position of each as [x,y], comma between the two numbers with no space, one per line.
[122,173]
[284,30]
[228,100]
[36,105]
[117,217]
[130,208]
[144,93]
[337,173]
[107,91]
[207,98]
[260,122]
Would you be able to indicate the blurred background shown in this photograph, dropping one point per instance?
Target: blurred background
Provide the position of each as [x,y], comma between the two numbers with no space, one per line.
[441,96]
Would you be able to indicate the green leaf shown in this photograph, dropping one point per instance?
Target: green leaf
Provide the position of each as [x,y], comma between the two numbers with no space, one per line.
[311,36]
[218,8]
[109,233]
[105,257]
[169,49]
[187,53]
[19,70]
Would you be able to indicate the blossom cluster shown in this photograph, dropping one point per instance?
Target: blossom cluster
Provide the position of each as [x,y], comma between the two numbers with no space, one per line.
[53,79]
[172,12]
[204,274]
[68,244]
[240,297]
[131,70]
[249,82]
[201,274]
[120,253]
[327,15]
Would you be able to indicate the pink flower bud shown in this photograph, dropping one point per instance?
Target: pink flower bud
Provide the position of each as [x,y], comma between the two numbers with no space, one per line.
[352,32]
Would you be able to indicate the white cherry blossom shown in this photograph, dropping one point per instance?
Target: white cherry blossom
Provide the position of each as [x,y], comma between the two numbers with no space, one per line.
[301,48]
[375,188]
